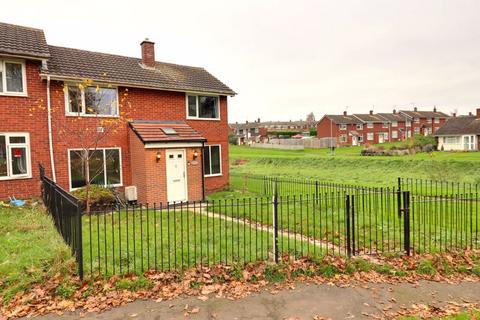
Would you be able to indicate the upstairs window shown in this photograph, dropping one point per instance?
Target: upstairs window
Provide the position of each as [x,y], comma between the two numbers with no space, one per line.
[343,126]
[14,156]
[91,101]
[385,125]
[202,107]
[394,124]
[359,126]
[12,78]
[437,120]
[370,125]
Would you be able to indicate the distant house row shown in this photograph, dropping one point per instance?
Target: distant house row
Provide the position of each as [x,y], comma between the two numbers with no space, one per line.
[372,128]
[257,131]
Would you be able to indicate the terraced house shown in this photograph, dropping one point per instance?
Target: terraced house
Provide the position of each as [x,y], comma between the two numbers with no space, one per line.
[372,128]
[173,146]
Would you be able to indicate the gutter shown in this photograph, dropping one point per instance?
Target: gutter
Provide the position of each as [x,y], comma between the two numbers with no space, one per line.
[50,139]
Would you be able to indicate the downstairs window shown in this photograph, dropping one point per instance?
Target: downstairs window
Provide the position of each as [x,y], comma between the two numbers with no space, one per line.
[212,160]
[105,167]
[14,156]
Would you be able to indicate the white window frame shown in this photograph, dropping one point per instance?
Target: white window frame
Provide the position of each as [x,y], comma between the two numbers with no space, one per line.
[394,124]
[3,79]
[187,94]
[343,138]
[369,124]
[360,138]
[343,126]
[210,156]
[394,134]
[370,136]
[359,126]
[429,120]
[436,120]
[416,119]
[8,150]
[385,124]
[104,167]
[408,123]
[83,112]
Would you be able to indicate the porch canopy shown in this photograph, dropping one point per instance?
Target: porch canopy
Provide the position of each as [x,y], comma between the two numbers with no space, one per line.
[158,134]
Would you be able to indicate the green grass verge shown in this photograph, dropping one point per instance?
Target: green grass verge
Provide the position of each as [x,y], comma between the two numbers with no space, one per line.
[30,250]
[347,166]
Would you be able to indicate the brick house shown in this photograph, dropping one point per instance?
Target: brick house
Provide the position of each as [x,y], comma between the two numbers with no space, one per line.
[373,128]
[345,129]
[174,146]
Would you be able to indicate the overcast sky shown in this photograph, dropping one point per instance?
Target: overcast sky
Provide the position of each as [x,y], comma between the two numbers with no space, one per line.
[287,58]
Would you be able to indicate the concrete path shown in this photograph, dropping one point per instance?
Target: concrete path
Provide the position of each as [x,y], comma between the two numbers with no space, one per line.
[303,302]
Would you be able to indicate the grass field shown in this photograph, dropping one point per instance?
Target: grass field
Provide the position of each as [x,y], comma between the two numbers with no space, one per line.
[121,242]
[347,166]
[30,249]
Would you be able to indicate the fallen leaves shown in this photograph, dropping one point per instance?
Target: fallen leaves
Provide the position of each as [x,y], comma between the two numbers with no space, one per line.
[99,295]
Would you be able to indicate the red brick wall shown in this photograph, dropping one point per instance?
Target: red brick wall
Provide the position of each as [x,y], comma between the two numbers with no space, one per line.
[140,104]
[23,114]
[143,104]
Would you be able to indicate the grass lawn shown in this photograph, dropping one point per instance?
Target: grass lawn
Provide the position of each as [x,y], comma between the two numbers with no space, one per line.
[347,166]
[30,249]
[121,242]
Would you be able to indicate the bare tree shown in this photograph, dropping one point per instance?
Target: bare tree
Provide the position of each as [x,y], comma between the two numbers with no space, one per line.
[92,114]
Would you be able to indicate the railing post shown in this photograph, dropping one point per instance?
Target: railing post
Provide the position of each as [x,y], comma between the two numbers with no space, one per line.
[352,212]
[275,222]
[347,219]
[406,222]
[316,192]
[79,239]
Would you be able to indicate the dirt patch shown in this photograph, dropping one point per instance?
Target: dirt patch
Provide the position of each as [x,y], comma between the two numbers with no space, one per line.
[240,162]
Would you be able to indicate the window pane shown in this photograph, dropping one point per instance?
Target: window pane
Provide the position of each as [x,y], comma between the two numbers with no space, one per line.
[1,77]
[74,99]
[3,157]
[215,159]
[206,160]
[207,107]
[100,101]
[19,160]
[192,106]
[13,72]
[113,166]
[77,169]
[17,139]
[97,175]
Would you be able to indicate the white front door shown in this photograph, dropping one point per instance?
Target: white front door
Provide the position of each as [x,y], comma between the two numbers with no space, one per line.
[176,175]
[381,138]
[354,140]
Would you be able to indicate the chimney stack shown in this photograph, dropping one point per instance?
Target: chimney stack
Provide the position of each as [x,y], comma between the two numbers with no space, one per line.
[470,114]
[478,113]
[246,122]
[258,120]
[371,112]
[454,114]
[344,113]
[435,109]
[394,111]
[415,109]
[148,53]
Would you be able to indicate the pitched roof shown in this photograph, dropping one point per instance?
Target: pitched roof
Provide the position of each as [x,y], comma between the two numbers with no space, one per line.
[96,66]
[25,41]
[344,119]
[460,125]
[392,116]
[369,117]
[424,114]
[160,131]
[264,124]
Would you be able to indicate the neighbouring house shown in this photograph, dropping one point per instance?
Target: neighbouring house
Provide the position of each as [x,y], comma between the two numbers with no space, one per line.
[460,133]
[257,131]
[373,128]
[174,146]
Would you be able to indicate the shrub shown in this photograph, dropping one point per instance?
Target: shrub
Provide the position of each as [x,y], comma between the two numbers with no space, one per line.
[421,141]
[232,139]
[100,197]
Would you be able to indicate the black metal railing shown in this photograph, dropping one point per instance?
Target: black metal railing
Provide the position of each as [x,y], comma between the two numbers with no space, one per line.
[436,187]
[66,213]
[347,222]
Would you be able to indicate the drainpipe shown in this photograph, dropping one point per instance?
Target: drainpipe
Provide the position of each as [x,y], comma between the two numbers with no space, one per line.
[203,173]
[50,142]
